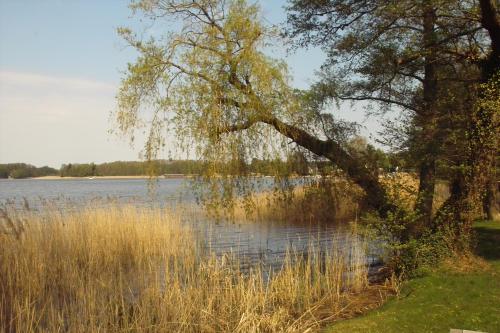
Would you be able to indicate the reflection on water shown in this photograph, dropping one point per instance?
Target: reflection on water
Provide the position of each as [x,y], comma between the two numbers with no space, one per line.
[268,243]
[252,243]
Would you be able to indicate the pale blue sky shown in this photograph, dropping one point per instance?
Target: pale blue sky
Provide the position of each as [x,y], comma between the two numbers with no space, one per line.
[60,64]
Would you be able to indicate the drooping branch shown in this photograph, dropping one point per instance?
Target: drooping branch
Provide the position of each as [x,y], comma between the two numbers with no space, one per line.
[376,196]
[216,72]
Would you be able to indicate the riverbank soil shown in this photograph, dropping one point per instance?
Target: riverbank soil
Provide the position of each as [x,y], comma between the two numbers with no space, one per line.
[461,295]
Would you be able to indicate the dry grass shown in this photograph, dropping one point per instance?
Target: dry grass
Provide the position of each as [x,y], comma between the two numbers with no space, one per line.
[327,200]
[126,269]
[402,188]
[466,263]
[330,200]
[324,202]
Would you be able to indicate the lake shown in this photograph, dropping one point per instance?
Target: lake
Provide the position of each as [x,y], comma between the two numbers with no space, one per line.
[85,190]
[253,242]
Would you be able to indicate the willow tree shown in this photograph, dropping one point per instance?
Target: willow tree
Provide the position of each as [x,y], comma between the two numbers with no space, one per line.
[211,83]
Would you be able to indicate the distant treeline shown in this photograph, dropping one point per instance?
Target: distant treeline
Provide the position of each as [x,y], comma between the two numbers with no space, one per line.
[23,170]
[131,168]
[165,167]
[296,163]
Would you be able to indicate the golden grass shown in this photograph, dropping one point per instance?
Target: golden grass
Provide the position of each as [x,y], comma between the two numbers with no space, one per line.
[325,202]
[466,263]
[331,200]
[127,269]
[402,188]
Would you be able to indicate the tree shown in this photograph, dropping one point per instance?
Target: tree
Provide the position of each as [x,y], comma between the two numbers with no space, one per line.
[395,54]
[475,188]
[298,163]
[489,104]
[23,170]
[212,82]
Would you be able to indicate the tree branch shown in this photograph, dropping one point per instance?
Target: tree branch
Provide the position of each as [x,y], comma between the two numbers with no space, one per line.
[376,196]
[379,99]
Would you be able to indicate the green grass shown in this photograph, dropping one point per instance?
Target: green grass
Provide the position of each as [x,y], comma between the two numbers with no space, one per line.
[443,299]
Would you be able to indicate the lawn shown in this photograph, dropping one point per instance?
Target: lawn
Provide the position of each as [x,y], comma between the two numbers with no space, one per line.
[443,299]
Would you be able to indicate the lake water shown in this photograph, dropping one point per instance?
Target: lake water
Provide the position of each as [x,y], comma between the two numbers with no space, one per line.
[253,242]
[85,190]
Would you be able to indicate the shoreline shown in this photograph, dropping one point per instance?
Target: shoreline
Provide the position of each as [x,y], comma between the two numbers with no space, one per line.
[170,176]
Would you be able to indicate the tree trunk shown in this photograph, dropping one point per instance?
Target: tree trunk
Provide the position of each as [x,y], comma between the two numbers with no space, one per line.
[425,197]
[376,196]
[484,128]
[490,201]
[491,67]
[482,135]
[426,119]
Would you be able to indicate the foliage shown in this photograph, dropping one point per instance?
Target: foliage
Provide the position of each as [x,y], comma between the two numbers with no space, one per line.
[373,158]
[212,84]
[378,51]
[407,255]
[209,75]
[414,57]
[132,168]
[78,170]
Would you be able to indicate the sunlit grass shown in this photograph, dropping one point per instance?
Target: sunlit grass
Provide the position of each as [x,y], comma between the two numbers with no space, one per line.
[452,296]
[334,199]
[124,268]
[402,189]
[331,202]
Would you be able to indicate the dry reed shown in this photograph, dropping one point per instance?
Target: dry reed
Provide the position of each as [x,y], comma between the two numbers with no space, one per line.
[325,202]
[330,200]
[402,189]
[123,269]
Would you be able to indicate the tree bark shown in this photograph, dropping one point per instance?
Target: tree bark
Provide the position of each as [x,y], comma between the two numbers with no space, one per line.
[476,176]
[376,196]
[491,22]
[426,119]
[490,201]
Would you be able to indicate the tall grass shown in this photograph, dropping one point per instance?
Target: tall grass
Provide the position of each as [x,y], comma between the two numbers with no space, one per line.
[127,269]
[402,189]
[331,200]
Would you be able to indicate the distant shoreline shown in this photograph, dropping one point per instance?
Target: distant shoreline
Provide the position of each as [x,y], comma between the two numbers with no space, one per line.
[168,176]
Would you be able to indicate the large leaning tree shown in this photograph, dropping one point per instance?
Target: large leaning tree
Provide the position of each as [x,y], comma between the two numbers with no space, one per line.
[405,55]
[211,82]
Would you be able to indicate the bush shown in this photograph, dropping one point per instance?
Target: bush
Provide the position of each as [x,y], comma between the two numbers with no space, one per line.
[408,253]
[21,173]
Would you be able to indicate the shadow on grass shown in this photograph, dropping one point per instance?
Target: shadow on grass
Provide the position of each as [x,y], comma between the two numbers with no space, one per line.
[488,240]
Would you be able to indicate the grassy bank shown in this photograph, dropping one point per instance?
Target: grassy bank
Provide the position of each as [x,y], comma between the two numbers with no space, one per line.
[126,269]
[464,295]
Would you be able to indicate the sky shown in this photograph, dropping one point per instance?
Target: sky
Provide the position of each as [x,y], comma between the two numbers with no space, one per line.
[61,62]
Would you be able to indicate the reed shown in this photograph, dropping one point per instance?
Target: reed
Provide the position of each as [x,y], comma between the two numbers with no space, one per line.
[123,269]
[333,199]
[402,189]
[325,202]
